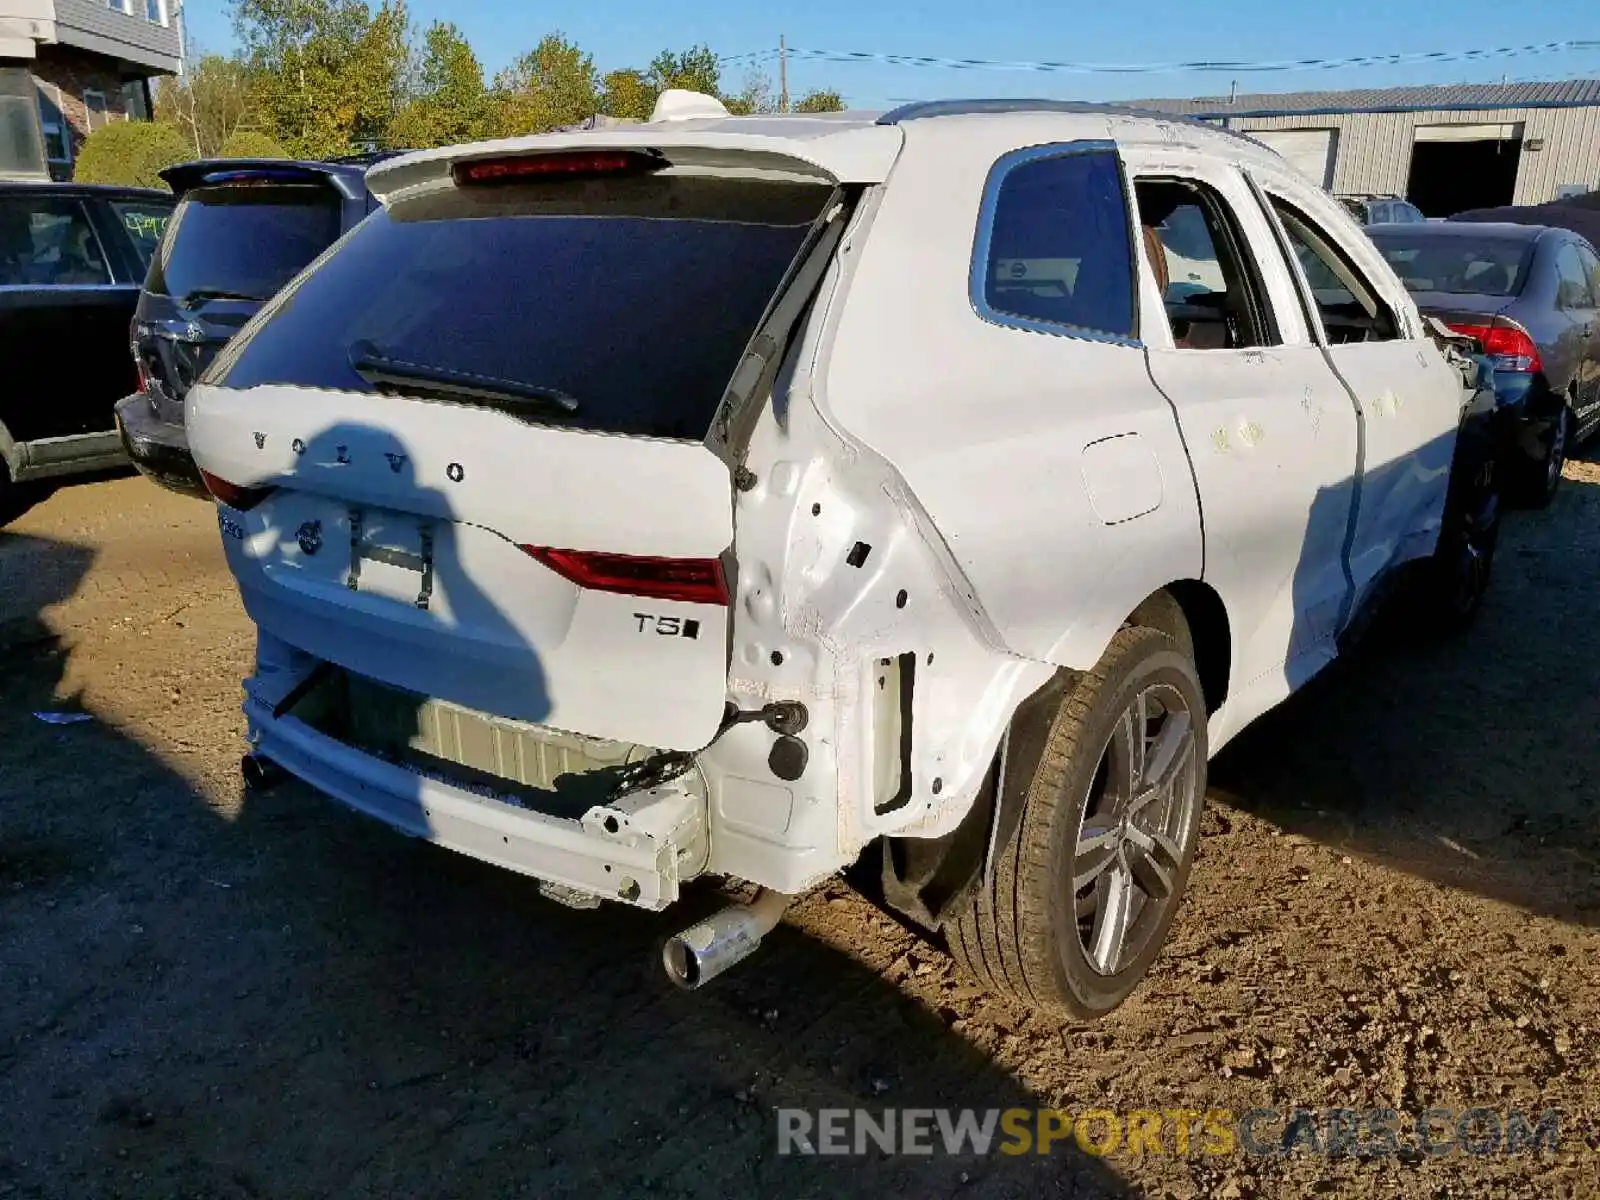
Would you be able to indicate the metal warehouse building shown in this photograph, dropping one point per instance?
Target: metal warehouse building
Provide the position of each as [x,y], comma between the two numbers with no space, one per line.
[1443,148]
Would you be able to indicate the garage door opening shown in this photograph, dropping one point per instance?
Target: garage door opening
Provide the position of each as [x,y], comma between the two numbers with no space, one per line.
[1453,170]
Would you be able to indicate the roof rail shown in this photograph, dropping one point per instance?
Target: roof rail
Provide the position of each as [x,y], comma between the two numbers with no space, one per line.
[925,109]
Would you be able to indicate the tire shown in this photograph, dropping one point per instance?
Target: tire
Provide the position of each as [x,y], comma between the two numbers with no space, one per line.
[1029,934]
[1543,478]
[1463,562]
[12,501]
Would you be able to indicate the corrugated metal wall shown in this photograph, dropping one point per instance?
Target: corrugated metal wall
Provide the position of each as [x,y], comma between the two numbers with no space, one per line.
[1373,150]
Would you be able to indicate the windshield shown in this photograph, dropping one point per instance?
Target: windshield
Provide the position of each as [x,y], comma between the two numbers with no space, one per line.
[245,240]
[1456,265]
[634,298]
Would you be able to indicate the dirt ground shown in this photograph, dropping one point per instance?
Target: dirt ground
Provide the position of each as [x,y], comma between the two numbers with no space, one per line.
[204,994]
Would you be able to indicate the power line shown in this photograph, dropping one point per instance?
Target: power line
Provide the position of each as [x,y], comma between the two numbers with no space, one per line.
[1174,68]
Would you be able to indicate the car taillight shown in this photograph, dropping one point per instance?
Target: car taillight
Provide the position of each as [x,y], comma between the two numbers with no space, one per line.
[231,494]
[569,165]
[694,580]
[1509,345]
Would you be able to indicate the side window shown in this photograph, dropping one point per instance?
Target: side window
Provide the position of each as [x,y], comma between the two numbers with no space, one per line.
[57,133]
[1348,306]
[1591,264]
[94,109]
[1056,250]
[145,224]
[1209,283]
[1572,281]
[46,242]
[1382,213]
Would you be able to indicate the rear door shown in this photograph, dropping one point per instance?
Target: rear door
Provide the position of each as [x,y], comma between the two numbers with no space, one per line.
[1591,335]
[64,318]
[1271,433]
[474,440]
[1409,399]
[1576,299]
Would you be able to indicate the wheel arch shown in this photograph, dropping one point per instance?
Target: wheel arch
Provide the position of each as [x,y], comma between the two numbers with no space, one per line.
[1192,613]
[927,879]
[9,454]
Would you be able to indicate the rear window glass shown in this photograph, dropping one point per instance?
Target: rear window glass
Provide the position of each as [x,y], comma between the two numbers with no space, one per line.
[634,298]
[1058,248]
[145,222]
[244,240]
[1467,266]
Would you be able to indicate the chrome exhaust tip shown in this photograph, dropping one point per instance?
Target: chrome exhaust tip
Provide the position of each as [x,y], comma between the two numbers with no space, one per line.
[703,951]
[260,774]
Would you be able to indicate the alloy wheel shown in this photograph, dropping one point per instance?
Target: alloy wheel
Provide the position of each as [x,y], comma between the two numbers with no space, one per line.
[1137,820]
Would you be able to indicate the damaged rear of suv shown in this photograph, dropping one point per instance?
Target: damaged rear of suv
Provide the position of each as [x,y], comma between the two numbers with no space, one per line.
[723,496]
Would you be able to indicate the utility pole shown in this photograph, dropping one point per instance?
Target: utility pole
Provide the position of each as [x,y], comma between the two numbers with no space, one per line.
[783,74]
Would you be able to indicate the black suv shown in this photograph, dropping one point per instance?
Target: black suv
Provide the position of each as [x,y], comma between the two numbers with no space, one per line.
[243,229]
[71,258]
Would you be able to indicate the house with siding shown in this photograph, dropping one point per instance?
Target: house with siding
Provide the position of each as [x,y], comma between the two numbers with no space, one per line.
[1445,148]
[69,66]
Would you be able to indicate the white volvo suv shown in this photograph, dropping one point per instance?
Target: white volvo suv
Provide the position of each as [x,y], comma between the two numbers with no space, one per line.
[730,495]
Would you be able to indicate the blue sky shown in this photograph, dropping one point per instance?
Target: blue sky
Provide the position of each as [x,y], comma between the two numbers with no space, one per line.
[629,32]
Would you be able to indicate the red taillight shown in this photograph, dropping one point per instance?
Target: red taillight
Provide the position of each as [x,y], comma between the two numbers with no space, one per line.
[694,580]
[1509,344]
[231,494]
[567,165]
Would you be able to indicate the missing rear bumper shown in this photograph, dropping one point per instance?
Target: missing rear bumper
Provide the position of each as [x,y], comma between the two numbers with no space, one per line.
[638,849]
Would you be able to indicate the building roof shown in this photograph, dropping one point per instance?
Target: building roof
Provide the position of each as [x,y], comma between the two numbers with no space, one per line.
[1570,93]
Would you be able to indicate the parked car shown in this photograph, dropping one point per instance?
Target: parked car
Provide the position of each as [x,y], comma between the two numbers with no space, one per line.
[1531,296]
[728,495]
[243,229]
[1382,210]
[71,257]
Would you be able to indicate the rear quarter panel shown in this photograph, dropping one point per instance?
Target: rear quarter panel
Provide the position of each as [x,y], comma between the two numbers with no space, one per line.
[1001,433]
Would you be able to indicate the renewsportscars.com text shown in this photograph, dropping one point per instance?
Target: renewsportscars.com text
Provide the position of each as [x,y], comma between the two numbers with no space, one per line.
[1259,1132]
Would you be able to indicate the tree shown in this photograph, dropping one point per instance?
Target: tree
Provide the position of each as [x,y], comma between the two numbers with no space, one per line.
[449,102]
[551,85]
[131,153]
[820,102]
[328,76]
[627,94]
[694,69]
[755,97]
[248,143]
[208,103]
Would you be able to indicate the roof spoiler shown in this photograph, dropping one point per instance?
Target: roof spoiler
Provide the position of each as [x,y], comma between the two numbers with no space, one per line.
[187,176]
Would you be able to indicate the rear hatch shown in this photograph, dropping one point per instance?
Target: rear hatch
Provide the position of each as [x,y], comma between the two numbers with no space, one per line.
[466,456]
[239,234]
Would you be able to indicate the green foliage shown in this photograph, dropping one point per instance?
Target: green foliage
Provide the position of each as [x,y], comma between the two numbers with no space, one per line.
[324,77]
[209,102]
[249,143]
[694,69]
[755,97]
[628,94]
[820,102]
[553,84]
[131,152]
[448,103]
[328,75]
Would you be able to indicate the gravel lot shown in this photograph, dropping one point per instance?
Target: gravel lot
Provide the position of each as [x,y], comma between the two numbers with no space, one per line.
[213,995]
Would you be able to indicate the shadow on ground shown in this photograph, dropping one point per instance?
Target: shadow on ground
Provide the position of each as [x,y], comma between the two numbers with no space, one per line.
[1369,757]
[275,998]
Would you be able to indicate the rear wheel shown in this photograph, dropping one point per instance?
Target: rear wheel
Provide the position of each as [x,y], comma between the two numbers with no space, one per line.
[12,501]
[1543,478]
[1463,560]
[1083,895]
